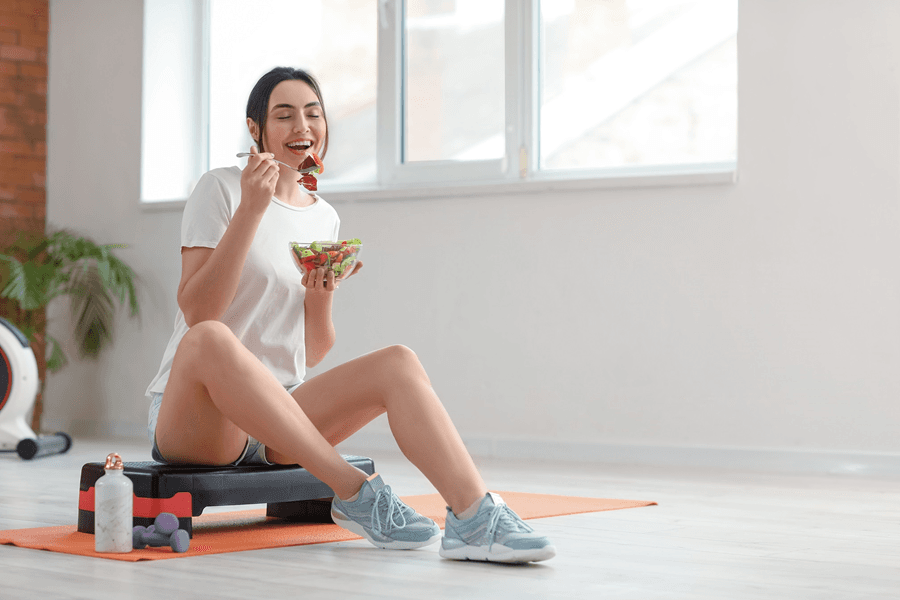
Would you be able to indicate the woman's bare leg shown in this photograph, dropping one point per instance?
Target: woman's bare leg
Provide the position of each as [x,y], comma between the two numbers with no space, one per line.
[342,400]
[218,392]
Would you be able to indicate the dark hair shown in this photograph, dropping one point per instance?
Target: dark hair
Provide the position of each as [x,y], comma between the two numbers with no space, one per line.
[258,103]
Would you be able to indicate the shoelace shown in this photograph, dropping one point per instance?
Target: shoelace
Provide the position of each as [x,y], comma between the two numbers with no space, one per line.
[394,507]
[503,514]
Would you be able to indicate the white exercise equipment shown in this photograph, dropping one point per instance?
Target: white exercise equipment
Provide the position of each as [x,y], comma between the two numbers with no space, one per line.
[18,391]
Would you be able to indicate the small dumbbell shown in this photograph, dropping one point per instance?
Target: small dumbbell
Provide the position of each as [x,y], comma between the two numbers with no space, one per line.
[163,532]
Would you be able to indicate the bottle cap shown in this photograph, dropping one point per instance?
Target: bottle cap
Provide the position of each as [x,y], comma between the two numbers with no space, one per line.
[114,461]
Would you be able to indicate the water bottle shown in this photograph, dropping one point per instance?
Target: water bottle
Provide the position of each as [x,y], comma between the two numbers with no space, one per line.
[113,508]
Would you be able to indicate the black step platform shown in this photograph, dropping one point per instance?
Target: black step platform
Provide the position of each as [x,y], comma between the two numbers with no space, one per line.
[290,491]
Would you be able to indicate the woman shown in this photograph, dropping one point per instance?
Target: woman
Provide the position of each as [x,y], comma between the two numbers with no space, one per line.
[230,389]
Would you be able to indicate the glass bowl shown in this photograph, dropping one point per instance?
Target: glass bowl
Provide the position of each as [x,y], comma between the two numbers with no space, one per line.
[339,256]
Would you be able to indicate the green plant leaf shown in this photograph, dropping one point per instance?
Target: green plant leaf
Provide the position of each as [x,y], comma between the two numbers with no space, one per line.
[14,288]
[56,359]
[92,308]
[35,269]
[31,285]
[124,277]
[102,265]
[36,247]
[29,332]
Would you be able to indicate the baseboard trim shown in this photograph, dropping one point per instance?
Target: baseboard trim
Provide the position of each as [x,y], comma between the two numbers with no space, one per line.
[770,460]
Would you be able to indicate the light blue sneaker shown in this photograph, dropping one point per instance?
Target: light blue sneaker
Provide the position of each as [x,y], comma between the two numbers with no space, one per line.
[495,534]
[379,516]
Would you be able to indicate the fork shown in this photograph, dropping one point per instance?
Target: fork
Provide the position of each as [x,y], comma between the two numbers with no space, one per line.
[301,171]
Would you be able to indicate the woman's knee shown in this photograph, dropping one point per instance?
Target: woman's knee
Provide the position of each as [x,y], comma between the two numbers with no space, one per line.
[209,335]
[211,328]
[205,340]
[404,363]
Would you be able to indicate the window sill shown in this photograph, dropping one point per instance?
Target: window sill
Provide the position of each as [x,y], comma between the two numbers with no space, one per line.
[718,174]
[152,206]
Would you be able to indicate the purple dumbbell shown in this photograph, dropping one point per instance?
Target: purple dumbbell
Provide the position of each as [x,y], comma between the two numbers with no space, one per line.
[163,532]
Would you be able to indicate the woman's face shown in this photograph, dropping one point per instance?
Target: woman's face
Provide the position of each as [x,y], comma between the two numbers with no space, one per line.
[295,123]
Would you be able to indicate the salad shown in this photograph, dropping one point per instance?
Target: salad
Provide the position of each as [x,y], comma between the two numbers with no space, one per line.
[312,161]
[338,256]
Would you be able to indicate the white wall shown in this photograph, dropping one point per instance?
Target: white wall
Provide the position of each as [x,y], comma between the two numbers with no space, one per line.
[716,324]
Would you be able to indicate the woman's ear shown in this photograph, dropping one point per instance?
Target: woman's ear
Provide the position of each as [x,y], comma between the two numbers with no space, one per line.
[254,130]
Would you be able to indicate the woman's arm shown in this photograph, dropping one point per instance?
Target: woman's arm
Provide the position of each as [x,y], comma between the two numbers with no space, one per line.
[319,332]
[210,276]
[319,328]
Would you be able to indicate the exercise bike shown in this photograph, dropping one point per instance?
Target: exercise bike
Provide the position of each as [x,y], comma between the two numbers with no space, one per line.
[18,392]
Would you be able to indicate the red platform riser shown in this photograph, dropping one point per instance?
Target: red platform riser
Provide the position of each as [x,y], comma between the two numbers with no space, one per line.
[179,504]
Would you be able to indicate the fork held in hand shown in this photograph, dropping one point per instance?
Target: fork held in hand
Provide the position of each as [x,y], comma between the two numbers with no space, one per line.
[309,170]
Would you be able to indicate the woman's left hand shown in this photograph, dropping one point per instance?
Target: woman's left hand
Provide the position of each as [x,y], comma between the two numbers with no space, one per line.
[349,274]
[319,281]
[323,280]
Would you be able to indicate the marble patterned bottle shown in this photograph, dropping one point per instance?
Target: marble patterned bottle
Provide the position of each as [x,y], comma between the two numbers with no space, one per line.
[113,508]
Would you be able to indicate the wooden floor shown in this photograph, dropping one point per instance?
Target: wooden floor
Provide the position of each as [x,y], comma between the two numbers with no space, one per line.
[715,534]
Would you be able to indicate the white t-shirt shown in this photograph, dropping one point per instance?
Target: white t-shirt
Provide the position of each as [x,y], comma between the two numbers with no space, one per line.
[266,314]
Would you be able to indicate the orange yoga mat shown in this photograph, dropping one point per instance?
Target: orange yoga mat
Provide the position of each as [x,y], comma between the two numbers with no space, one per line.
[216,533]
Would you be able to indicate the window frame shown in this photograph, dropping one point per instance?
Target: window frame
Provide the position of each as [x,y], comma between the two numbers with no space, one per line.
[392,170]
[199,108]
[517,172]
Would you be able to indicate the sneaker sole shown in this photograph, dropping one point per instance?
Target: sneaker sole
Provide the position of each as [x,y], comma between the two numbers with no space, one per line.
[351,525]
[506,555]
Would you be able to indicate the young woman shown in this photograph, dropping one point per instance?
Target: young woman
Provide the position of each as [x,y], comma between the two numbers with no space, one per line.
[231,390]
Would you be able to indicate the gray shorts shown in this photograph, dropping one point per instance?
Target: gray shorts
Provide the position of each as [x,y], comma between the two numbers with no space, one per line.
[254,451]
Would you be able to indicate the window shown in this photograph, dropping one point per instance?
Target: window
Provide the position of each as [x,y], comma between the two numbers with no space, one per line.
[334,40]
[434,93]
[454,88]
[172,137]
[443,110]
[637,83]
[202,58]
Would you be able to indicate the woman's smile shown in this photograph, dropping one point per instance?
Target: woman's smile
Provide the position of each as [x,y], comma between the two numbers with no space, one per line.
[300,147]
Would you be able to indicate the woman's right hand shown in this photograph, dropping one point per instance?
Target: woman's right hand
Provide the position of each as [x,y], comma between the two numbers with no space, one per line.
[258,180]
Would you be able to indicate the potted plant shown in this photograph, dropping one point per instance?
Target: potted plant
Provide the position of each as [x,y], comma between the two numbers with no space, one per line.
[36,268]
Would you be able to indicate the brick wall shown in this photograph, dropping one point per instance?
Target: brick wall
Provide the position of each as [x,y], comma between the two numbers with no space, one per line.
[23,141]
[23,115]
